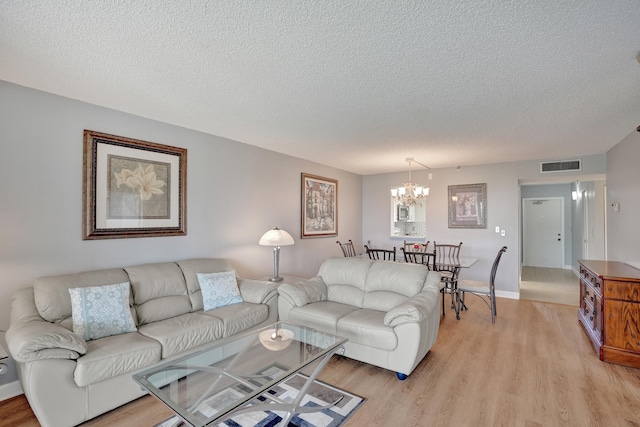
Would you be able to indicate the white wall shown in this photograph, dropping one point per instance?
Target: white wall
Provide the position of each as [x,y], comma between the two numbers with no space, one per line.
[623,187]
[235,192]
[503,210]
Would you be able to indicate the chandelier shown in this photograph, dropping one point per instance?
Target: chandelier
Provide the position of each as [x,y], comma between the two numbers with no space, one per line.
[410,194]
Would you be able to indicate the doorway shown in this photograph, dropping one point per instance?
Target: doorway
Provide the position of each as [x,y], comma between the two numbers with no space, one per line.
[543,232]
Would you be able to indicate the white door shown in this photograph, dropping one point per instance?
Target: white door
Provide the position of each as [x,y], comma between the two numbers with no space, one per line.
[543,231]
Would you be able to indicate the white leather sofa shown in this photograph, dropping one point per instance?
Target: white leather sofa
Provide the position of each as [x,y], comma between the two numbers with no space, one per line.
[68,380]
[388,310]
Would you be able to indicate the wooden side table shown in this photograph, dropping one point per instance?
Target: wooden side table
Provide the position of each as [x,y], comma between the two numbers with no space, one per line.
[610,310]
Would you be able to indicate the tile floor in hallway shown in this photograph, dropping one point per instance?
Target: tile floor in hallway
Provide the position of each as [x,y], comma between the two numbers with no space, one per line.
[553,285]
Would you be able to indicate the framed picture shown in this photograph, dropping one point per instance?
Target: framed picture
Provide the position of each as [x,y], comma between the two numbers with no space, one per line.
[319,206]
[132,188]
[468,206]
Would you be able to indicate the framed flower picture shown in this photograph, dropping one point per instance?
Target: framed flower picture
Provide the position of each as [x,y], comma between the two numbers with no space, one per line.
[319,206]
[132,188]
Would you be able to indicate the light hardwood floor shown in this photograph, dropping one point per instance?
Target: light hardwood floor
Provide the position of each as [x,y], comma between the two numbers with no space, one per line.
[534,367]
[550,285]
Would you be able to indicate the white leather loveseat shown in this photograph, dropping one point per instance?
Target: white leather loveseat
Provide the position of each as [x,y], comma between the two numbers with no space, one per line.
[68,379]
[388,310]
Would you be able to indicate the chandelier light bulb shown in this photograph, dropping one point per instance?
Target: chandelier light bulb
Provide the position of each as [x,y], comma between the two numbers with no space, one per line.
[410,194]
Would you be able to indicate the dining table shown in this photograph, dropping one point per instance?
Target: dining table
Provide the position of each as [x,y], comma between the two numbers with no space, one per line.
[452,265]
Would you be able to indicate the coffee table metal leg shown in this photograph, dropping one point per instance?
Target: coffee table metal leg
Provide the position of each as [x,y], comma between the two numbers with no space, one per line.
[293,407]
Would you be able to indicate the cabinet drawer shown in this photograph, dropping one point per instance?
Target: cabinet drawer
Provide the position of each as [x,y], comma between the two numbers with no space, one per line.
[593,315]
[589,277]
[627,291]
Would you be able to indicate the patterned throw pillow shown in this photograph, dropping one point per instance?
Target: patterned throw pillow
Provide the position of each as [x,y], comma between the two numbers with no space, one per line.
[101,311]
[219,289]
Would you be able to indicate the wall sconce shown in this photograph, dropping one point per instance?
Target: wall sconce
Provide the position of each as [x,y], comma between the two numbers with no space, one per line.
[574,195]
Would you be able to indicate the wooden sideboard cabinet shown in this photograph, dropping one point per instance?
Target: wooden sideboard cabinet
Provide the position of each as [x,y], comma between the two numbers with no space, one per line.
[610,310]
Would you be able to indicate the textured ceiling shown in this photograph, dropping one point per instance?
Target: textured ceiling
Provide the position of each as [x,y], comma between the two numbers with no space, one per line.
[358,85]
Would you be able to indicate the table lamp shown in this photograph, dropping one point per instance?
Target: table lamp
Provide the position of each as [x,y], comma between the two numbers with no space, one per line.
[276,238]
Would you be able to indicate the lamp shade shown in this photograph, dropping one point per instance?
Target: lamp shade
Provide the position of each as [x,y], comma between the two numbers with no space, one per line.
[276,237]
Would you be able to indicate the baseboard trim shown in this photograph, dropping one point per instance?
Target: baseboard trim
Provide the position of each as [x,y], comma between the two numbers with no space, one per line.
[507,294]
[7,391]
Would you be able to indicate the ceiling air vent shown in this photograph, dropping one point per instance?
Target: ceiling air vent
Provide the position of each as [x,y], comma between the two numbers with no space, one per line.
[561,166]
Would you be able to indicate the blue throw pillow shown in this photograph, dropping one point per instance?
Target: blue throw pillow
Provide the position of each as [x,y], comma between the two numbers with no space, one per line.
[219,289]
[101,311]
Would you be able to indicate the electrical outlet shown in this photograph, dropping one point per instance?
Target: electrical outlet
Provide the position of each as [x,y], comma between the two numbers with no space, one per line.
[503,233]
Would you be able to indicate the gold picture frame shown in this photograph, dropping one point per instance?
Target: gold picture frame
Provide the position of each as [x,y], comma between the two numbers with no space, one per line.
[319,206]
[132,188]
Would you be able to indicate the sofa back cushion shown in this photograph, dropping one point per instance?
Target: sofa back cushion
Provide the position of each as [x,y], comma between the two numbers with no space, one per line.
[345,279]
[51,294]
[391,283]
[159,291]
[191,268]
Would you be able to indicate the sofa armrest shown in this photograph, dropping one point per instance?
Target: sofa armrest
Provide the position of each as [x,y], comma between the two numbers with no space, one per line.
[37,340]
[415,309]
[257,291]
[304,292]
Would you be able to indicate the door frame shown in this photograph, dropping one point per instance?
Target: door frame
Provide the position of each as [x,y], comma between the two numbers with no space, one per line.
[562,225]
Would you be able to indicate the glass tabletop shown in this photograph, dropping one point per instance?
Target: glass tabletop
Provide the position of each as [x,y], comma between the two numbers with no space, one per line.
[204,386]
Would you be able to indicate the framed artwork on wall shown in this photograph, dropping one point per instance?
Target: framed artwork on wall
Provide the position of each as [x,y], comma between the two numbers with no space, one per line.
[132,188]
[468,206]
[319,206]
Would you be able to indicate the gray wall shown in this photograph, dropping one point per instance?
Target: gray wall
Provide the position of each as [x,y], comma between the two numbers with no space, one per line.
[504,208]
[235,192]
[623,187]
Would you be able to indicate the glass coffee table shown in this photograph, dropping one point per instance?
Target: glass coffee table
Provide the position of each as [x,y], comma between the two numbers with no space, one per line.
[235,375]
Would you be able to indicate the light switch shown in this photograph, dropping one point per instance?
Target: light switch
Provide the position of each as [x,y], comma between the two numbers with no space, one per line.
[616,207]
[503,233]
[497,229]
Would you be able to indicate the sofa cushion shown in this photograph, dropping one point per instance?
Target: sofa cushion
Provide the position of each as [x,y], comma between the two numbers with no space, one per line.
[323,315]
[219,289]
[183,332]
[367,327]
[101,311]
[391,283]
[116,355]
[239,317]
[191,267]
[51,294]
[159,291]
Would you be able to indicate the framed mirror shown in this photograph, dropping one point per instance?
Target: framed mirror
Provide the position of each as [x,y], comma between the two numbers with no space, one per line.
[408,222]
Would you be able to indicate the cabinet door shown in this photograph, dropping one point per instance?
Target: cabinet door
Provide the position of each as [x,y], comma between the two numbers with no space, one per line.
[621,326]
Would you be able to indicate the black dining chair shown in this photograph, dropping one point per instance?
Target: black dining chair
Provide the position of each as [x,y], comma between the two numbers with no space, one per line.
[448,265]
[485,291]
[426,258]
[347,248]
[416,247]
[383,254]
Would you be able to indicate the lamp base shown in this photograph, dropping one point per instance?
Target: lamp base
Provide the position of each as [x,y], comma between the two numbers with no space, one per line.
[275,279]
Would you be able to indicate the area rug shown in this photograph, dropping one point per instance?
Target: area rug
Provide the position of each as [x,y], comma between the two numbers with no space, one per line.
[319,394]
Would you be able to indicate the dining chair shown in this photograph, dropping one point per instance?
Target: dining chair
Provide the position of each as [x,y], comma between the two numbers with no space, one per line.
[416,247]
[485,291]
[426,258]
[384,254]
[347,248]
[448,265]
